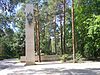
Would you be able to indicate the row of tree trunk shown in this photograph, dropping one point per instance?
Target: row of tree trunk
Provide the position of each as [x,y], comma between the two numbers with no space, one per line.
[63,49]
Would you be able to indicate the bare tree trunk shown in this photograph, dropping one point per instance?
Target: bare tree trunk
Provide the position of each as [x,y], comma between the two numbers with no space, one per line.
[64,27]
[55,35]
[38,41]
[61,33]
[76,47]
[38,35]
[73,32]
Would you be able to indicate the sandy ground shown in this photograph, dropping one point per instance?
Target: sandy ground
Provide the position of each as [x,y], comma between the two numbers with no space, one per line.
[14,67]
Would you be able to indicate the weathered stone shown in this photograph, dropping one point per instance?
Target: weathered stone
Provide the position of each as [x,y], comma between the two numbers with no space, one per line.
[29,39]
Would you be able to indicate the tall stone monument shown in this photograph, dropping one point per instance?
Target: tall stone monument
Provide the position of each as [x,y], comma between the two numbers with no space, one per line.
[29,32]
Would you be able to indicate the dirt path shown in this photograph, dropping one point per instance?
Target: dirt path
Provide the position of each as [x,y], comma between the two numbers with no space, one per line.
[53,68]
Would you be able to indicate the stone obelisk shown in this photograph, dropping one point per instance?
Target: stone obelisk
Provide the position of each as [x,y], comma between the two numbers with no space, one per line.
[29,39]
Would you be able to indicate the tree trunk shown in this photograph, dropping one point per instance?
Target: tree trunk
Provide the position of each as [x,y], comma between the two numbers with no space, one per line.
[73,32]
[64,27]
[76,47]
[38,41]
[55,34]
[38,35]
[61,33]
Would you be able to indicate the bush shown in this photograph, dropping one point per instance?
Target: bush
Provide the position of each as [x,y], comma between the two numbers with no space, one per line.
[64,57]
[78,57]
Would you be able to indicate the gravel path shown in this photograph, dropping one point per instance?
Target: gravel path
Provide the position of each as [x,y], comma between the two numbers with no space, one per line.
[52,68]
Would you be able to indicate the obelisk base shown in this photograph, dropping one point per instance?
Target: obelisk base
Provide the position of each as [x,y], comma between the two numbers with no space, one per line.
[29,63]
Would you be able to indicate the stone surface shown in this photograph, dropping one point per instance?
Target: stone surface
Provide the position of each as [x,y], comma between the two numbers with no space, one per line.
[43,58]
[29,40]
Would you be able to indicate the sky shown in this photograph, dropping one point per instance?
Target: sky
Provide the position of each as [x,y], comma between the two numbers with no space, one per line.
[16,9]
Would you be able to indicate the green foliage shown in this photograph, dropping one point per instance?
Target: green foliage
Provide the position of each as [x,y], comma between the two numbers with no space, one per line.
[87,25]
[78,57]
[12,39]
[92,45]
[64,57]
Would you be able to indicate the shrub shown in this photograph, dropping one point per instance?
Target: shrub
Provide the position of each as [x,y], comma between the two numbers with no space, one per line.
[64,57]
[78,57]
